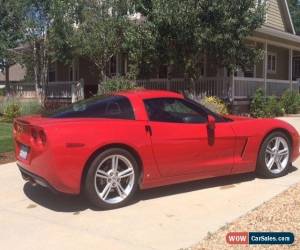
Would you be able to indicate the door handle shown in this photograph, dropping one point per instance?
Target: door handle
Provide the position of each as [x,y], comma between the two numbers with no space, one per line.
[148,130]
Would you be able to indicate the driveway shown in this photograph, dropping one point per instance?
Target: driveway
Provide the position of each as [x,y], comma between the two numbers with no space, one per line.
[164,218]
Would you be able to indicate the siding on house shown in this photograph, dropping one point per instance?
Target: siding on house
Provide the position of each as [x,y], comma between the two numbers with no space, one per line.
[17,73]
[274,15]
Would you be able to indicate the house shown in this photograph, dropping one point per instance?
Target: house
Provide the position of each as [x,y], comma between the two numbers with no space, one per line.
[16,73]
[277,72]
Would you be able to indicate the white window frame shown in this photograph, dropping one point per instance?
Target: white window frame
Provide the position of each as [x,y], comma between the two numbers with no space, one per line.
[274,56]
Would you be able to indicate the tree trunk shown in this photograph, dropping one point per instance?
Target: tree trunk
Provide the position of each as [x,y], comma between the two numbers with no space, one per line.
[36,72]
[7,85]
[44,67]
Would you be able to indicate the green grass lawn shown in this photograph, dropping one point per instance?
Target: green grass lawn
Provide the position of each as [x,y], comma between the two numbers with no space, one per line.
[6,141]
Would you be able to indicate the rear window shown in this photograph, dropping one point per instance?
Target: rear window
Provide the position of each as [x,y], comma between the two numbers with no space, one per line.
[114,107]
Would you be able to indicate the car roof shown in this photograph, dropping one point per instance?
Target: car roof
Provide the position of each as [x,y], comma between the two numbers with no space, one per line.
[148,94]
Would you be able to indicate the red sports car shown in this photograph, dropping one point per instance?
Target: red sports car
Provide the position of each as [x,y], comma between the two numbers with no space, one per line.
[109,146]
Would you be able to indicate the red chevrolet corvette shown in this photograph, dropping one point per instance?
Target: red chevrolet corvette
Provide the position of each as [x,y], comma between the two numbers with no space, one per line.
[109,146]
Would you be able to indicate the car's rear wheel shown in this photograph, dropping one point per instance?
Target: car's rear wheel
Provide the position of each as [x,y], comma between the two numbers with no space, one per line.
[274,156]
[112,178]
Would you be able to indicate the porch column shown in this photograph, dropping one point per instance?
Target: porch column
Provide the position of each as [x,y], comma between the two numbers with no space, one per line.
[265,67]
[74,70]
[291,68]
[231,80]
[118,71]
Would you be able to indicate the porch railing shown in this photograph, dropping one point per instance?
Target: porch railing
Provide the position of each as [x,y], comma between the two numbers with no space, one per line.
[73,91]
[66,90]
[22,90]
[245,87]
[205,86]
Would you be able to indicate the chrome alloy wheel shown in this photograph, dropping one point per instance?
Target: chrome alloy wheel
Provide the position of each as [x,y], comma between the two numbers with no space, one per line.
[277,155]
[114,179]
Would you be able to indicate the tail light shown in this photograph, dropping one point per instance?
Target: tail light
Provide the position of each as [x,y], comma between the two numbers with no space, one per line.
[34,134]
[38,135]
[42,136]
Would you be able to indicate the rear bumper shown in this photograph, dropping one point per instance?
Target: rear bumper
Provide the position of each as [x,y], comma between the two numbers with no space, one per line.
[33,178]
[52,178]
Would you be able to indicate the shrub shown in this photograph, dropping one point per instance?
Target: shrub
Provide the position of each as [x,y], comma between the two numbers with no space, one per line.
[11,111]
[211,102]
[116,84]
[273,107]
[30,107]
[265,107]
[2,92]
[290,102]
[258,104]
[215,104]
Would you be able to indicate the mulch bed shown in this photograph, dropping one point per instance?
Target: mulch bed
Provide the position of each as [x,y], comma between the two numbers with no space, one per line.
[7,157]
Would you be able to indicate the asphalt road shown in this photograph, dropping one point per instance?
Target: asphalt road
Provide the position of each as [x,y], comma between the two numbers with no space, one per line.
[165,218]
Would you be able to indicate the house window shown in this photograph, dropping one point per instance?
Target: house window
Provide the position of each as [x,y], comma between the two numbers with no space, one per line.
[52,72]
[113,66]
[296,68]
[272,62]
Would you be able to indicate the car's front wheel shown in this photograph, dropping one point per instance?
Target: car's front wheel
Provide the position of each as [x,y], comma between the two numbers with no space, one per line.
[112,178]
[274,156]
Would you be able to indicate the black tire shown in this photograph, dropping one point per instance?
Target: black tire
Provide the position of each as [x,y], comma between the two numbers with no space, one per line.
[90,191]
[261,169]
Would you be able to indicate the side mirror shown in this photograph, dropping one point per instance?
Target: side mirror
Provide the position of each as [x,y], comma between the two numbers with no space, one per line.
[211,122]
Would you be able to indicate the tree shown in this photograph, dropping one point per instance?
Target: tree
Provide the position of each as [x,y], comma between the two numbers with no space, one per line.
[49,26]
[294,6]
[185,30]
[11,13]
[101,33]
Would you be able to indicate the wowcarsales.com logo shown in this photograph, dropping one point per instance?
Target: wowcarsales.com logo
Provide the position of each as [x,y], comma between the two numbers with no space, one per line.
[255,238]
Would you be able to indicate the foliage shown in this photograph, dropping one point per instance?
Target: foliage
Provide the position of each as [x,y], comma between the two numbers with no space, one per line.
[2,92]
[101,33]
[273,108]
[6,139]
[215,104]
[48,27]
[30,107]
[294,6]
[26,107]
[11,111]
[117,84]
[211,102]
[184,30]
[11,13]
[290,102]
[258,103]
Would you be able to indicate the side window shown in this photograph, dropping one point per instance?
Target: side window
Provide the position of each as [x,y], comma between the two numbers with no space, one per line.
[174,110]
[115,107]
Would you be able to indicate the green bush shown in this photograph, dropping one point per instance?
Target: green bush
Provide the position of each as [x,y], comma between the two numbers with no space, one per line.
[258,104]
[30,107]
[290,102]
[116,84]
[11,111]
[25,107]
[2,92]
[265,107]
[273,107]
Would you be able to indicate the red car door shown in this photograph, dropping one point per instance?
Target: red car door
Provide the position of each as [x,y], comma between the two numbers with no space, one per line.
[183,144]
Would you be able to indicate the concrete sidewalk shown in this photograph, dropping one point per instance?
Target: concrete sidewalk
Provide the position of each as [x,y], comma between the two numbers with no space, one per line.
[164,218]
